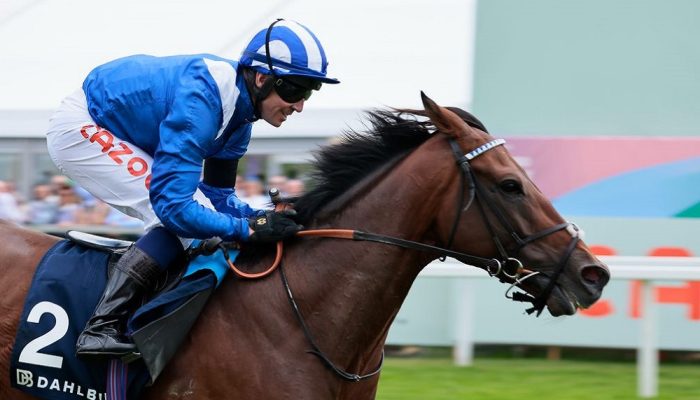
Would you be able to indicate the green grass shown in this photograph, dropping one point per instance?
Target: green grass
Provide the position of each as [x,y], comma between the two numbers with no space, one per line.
[524,379]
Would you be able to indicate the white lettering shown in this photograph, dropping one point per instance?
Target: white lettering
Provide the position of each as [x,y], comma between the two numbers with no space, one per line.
[29,379]
[30,354]
[42,382]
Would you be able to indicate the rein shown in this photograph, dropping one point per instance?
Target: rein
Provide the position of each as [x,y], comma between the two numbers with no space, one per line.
[492,266]
[315,349]
[507,268]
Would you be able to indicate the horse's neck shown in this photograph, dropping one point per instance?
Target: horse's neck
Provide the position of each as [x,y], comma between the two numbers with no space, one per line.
[354,289]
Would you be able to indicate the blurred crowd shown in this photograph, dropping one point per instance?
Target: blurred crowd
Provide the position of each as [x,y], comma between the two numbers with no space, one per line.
[59,201]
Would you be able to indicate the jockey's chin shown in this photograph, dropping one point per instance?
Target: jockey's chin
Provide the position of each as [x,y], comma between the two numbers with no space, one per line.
[275,110]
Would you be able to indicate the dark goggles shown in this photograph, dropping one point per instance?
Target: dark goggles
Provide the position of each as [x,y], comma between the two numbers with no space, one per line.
[295,89]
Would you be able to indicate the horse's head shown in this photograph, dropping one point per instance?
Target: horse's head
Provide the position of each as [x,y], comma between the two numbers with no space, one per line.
[492,209]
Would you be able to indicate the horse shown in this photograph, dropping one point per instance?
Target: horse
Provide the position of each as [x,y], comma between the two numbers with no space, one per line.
[422,184]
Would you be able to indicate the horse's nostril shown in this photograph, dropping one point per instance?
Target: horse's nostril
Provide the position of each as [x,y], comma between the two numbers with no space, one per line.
[595,275]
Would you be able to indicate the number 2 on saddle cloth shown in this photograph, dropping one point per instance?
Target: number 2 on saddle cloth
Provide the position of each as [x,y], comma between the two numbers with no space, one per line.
[67,285]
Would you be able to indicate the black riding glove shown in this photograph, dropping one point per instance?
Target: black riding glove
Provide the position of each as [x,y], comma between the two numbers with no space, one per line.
[273,226]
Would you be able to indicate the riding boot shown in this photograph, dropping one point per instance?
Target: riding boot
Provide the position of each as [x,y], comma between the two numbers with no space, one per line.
[103,336]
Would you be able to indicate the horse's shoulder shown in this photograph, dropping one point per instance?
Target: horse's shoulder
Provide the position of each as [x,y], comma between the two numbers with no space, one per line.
[18,241]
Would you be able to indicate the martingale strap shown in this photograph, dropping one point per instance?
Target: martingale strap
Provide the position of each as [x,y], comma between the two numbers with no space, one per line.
[315,349]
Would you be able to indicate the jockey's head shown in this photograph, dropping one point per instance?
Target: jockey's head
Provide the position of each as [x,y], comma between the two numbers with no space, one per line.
[283,65]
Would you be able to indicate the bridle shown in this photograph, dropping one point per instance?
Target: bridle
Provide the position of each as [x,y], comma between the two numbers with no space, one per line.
[506,268]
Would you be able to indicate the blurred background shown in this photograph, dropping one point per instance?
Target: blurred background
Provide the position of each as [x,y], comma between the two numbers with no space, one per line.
[598,100]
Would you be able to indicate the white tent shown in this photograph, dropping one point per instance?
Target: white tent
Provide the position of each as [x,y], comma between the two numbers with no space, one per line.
[383,51]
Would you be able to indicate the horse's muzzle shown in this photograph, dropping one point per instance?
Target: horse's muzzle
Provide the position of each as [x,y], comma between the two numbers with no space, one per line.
[581,290]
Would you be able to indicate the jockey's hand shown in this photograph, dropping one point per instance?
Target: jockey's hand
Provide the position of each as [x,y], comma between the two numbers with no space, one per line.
[273,226]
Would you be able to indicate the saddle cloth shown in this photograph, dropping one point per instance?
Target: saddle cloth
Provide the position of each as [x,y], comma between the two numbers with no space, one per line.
[67,285]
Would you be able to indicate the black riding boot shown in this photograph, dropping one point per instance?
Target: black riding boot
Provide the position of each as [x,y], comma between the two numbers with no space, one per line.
[103,336]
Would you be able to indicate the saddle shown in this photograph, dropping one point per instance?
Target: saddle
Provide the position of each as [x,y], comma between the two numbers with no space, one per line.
[98,242]
[68,282]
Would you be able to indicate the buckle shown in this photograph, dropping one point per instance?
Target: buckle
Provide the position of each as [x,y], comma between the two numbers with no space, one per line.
[512,268]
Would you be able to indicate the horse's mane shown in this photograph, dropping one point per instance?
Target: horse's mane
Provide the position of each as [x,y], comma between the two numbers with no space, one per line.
[339,166]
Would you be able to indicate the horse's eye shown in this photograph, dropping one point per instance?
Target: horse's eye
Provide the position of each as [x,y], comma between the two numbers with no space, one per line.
[511,186]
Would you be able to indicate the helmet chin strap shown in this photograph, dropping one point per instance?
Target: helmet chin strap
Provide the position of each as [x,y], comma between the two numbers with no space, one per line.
[261,94]
[267,86]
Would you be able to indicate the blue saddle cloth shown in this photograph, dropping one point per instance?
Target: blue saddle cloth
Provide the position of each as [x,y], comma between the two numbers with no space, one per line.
[67,285]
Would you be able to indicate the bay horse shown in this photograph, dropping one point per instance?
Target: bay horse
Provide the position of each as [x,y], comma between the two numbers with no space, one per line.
[420,180]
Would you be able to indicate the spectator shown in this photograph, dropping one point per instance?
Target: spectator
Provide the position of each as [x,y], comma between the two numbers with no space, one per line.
[294,188]
[56,182]
[69,204]
[92,211]
[255,194]
[59,180]
[277,181]
[240,187]
[19,197]
[75,204]
[9,209]
[43,208]
[118,218]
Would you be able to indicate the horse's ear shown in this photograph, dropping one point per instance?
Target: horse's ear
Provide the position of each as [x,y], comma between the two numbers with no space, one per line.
[444,120]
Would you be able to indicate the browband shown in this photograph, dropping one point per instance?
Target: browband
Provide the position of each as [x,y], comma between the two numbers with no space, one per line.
[484,148]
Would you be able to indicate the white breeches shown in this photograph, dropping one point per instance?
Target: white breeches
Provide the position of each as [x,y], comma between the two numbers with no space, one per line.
[111,169]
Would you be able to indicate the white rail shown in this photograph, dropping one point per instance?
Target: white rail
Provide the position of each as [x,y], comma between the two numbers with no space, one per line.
[643,269]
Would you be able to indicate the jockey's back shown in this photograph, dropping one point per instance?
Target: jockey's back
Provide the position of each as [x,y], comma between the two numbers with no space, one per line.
[134,96]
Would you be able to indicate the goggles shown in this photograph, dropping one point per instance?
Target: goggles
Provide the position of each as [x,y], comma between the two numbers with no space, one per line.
[295,89]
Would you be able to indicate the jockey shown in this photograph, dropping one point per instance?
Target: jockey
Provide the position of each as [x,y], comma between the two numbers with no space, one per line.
[143,130]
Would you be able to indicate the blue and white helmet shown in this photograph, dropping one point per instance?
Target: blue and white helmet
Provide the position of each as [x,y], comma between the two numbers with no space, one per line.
[293,51]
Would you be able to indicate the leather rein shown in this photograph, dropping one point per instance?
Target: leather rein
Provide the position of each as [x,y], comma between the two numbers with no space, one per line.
[506,269]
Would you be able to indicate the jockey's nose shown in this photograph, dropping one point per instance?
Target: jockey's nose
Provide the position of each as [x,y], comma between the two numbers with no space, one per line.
[298,106]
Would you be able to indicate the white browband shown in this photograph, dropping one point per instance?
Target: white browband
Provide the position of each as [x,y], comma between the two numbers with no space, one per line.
[484,148]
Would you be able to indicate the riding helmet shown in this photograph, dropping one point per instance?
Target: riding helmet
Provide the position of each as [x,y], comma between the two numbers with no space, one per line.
[293,51]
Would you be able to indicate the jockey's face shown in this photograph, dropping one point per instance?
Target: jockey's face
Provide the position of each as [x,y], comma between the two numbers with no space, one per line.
[273,109]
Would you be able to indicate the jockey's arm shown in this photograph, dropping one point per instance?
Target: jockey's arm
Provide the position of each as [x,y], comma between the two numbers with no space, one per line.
[185,137]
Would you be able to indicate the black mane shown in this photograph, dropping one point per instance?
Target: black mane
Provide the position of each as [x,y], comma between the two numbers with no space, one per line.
[341,165]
